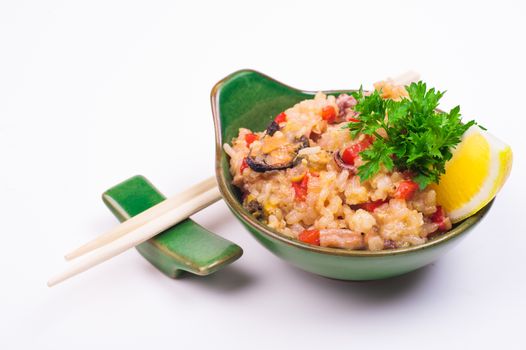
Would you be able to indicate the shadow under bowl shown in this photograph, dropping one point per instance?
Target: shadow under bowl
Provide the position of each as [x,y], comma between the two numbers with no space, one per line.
[249,99]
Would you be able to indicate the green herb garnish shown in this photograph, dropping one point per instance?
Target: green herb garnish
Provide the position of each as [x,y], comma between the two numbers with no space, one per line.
[419,138]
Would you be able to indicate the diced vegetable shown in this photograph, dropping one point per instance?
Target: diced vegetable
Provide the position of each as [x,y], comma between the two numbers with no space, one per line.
[328,113]
[406,189]
[280,118]
[342,165]
[249,138]
[371,206]
[298,177]
[310,237]
[243,166]
[301,188]
[350,154]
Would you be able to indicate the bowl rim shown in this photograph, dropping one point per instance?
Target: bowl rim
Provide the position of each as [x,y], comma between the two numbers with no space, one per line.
[238,209]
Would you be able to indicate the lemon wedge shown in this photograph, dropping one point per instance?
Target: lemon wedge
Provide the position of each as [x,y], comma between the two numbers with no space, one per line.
[478,169]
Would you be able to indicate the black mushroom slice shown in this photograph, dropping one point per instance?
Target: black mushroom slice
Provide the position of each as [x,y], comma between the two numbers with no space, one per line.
[255,208]
[272,128]
[287,157]
[342,165]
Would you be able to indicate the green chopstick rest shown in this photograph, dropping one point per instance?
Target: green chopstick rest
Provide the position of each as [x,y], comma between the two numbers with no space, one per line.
[186,246]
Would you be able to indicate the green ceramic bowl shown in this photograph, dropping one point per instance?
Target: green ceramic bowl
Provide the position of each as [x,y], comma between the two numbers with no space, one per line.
[250,99]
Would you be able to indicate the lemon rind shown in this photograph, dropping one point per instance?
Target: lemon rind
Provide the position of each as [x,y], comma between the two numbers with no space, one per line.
[500,167]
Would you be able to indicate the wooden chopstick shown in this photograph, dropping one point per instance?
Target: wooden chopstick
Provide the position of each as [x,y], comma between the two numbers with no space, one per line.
[138,235]
[142,218]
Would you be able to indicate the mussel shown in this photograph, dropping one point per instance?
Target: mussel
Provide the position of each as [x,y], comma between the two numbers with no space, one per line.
[283,157]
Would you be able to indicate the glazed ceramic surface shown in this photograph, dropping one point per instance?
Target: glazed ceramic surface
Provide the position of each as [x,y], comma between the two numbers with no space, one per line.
[250,99]
[186,246]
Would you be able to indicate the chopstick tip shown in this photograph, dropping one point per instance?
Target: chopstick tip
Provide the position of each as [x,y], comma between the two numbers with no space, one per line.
[53,281]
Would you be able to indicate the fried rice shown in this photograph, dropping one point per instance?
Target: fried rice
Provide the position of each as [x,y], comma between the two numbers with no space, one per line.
[299,178]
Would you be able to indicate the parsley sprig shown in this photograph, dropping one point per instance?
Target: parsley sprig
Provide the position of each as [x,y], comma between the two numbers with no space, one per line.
[418,137]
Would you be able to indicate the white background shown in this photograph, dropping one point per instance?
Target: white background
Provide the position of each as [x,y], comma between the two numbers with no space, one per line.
[94,92]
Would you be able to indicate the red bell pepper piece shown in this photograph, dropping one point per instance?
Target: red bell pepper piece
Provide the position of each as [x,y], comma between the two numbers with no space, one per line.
[350,154]
[243,166]
[406,189]
[280,118]
[301,188]
[328,113]
[371,206]
[310,237]
[249,138]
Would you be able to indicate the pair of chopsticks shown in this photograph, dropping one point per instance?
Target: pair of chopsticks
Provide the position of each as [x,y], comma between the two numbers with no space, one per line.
[139,228]
[153,221]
